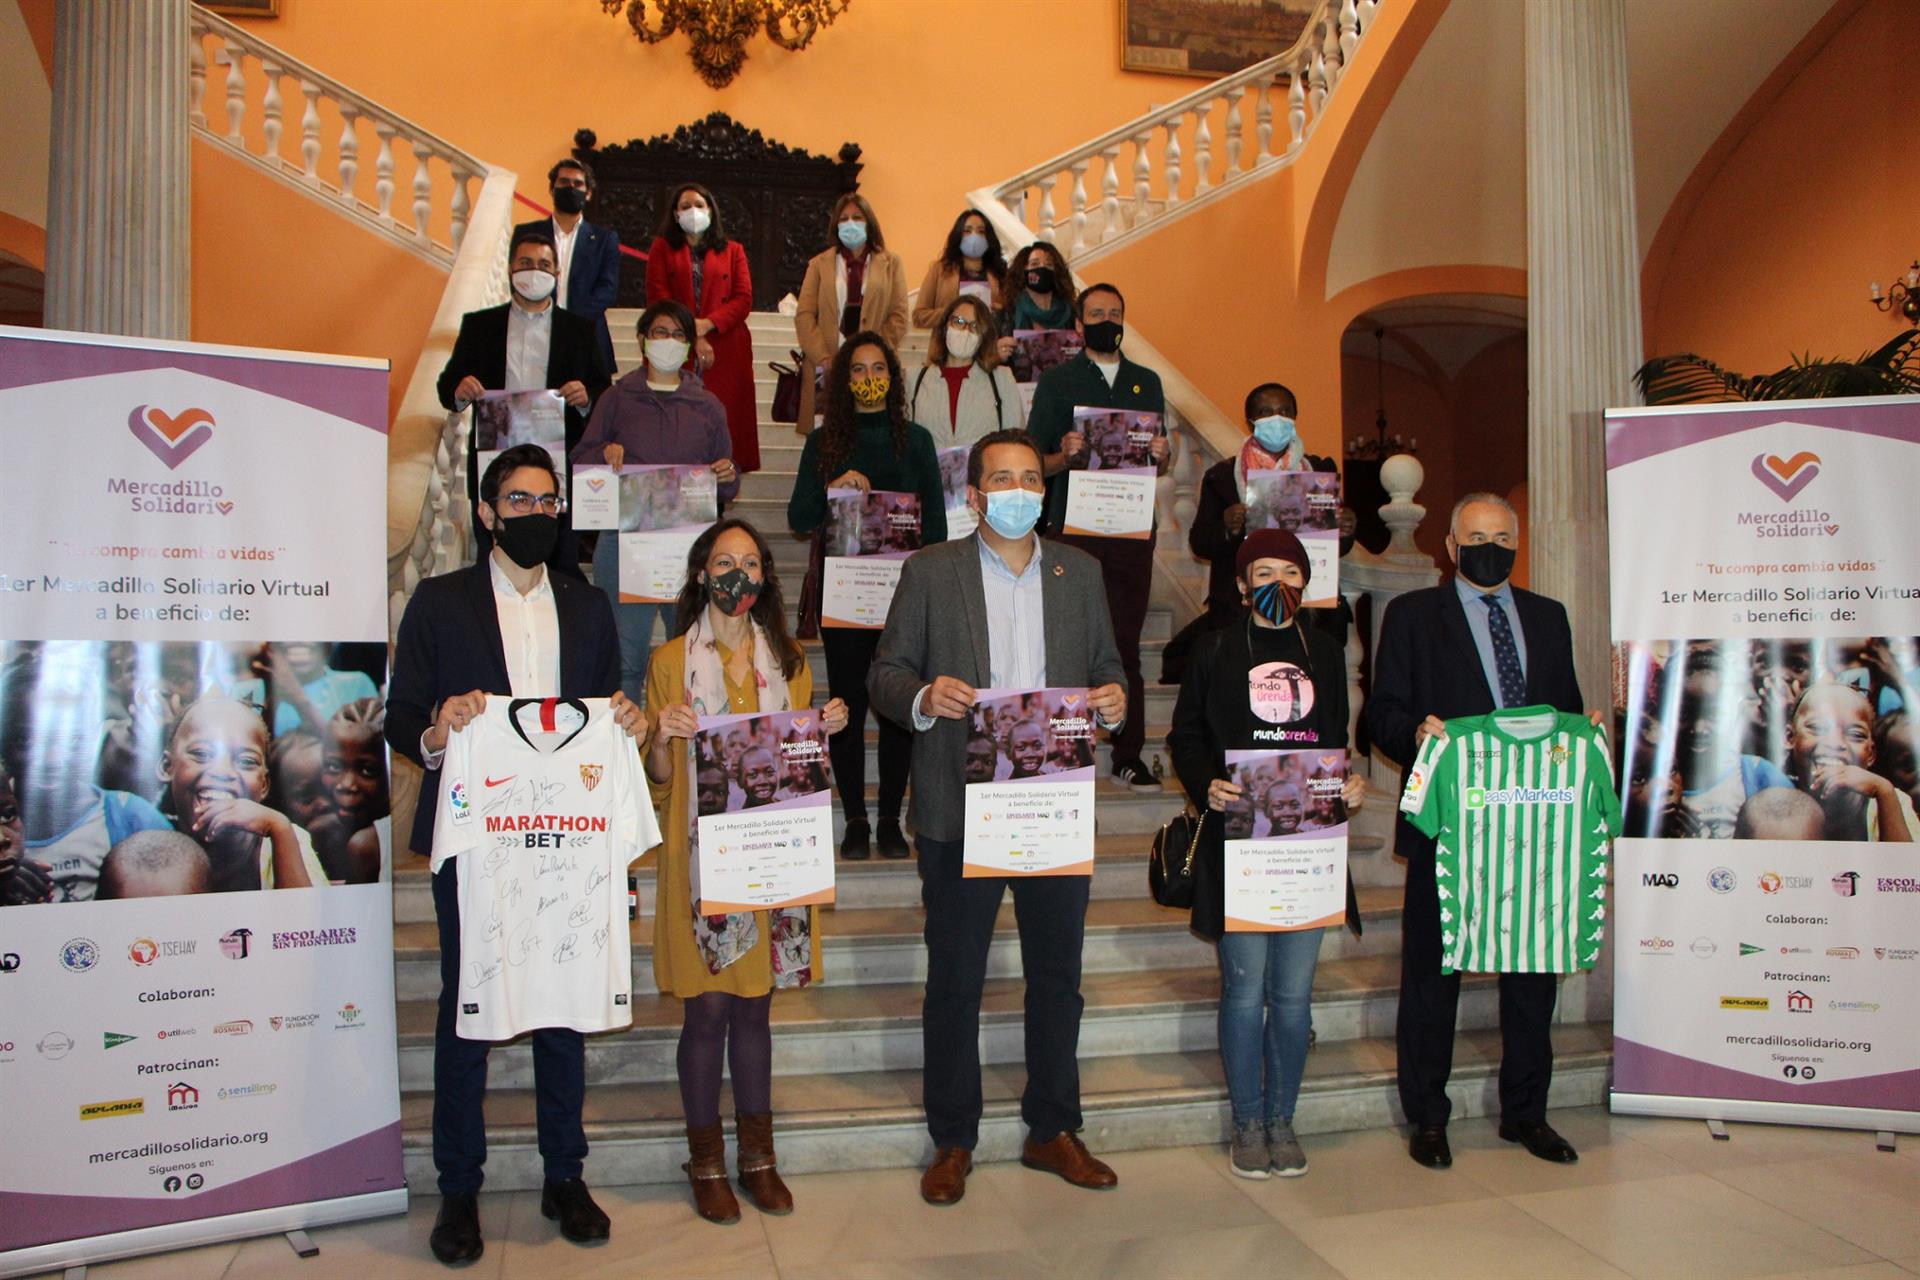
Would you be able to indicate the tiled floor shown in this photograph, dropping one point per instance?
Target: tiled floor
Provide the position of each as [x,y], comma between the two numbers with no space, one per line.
[1653,1198]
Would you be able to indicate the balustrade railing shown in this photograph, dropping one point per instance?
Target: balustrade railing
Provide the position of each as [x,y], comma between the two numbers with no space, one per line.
[245,109]
[1192,150]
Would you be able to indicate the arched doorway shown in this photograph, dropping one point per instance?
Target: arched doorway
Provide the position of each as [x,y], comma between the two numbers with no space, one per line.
[1444,377]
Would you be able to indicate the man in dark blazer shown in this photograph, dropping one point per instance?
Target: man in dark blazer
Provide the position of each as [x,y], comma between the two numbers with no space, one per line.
[450,654]
[1466,648]
[589,255]
[1030,614]
[525,345]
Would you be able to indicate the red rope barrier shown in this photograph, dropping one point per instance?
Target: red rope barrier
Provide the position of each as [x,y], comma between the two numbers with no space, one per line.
[545,212]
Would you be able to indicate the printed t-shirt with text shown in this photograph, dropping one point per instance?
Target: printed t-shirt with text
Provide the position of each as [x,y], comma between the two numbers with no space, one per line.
[1521,805]
[541,802]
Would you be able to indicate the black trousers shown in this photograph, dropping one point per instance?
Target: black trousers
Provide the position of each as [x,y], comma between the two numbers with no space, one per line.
[1126,566]
[1052,916]
[460,1076]
[849,653]
[1429,1007]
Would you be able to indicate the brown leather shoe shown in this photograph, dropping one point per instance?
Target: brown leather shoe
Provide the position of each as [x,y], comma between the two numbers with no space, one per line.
[1067,1156]
[945,1180]
[758,1178]
[707,1171]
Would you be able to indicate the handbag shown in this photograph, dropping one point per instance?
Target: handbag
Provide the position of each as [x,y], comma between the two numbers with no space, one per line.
[1170,864]
[786,390]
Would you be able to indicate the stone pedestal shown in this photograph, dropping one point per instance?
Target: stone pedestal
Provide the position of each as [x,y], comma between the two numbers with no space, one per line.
[118,200]
[1583,305]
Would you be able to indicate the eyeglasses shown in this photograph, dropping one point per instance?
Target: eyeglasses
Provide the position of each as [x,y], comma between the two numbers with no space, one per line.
[966,326]
[522,503]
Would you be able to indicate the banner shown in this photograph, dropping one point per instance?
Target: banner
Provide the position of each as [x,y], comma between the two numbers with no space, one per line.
[868,536]
[198,988]
[1286,841]
[1029,783]
[1766,604]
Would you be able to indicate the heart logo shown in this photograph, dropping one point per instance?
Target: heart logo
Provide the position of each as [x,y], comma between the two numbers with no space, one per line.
[226,508]
[1070,701]
[171,438]
[596,484]
[1832,529]
[1787,476]
[802,723]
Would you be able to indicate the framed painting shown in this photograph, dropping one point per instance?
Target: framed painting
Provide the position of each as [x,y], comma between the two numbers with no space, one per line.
[245,8]
[1210,38]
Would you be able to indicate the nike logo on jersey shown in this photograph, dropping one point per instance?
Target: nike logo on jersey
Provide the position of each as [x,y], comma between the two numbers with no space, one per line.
[501,782]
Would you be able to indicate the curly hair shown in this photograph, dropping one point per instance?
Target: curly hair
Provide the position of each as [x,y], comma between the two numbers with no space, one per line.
[1062,275]
[838,430]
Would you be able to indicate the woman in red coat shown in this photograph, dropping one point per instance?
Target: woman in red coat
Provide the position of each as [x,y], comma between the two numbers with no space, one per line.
[693,263]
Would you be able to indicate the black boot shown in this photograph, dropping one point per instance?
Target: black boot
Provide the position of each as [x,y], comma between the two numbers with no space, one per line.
[891,839]
[855,845]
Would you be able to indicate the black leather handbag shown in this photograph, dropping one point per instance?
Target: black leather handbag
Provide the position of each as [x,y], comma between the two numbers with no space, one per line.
[1170,865]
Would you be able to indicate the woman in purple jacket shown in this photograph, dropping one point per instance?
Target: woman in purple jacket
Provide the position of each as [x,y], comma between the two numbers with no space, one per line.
[659,414]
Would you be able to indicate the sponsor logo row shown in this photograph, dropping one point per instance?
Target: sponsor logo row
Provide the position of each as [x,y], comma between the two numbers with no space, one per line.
[82,955]
[1847,884]
[1798,1001]
[1706,948]
[56,1045]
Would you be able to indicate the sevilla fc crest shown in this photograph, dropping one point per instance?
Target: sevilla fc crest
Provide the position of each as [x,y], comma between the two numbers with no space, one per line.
[590,775]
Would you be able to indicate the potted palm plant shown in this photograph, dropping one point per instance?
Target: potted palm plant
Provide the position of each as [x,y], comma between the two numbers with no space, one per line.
[1893,370]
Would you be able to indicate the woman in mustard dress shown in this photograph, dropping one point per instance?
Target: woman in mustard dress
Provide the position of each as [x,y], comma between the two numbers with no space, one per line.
[731,654]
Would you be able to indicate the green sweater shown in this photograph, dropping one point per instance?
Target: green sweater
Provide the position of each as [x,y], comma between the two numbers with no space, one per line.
[917,471]
[1079,384]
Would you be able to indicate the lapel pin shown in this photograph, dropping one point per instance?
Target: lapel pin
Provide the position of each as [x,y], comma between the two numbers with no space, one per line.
[1059,571]
[1136,388]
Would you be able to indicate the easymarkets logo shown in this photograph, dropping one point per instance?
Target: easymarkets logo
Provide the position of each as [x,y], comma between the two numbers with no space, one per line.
[1481,797]
[113,1110]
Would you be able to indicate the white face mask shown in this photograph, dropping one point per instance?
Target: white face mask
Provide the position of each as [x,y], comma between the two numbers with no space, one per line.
[534,284]
[666,355]
[962,343]
[694,221]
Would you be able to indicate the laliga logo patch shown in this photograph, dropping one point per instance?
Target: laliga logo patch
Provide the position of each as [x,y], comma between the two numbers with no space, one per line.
[172,439]
[1787,476]
[590,775]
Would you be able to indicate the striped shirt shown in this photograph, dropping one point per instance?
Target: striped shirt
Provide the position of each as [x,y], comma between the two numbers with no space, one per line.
[1521,805]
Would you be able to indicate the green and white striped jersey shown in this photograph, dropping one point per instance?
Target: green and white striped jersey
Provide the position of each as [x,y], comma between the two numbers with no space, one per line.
[1521,806]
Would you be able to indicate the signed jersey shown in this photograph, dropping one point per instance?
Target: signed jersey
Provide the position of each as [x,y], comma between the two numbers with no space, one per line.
[1521,806]
[542,806]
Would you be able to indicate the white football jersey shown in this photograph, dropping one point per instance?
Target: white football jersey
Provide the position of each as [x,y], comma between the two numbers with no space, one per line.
[543,803]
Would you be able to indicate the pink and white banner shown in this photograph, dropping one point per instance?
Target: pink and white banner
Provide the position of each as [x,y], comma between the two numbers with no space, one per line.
[1766,608]
[196,927]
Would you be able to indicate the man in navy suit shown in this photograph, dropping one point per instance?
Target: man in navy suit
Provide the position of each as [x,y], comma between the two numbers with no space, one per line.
[509,627]
[1466,648]
[589,254]
[527,344]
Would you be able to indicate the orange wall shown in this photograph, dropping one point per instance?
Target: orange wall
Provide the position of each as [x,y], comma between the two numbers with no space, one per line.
[510,81]
[1812,204]
[273,268]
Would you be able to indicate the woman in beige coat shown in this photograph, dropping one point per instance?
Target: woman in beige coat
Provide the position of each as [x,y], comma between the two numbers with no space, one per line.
[858,284]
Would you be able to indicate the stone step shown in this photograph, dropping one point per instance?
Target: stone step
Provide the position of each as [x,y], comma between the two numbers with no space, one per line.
[837,1027]
[884,945]
[874,1119]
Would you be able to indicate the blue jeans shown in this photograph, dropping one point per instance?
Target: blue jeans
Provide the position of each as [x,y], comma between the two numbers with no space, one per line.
[1266,992]
[634,622]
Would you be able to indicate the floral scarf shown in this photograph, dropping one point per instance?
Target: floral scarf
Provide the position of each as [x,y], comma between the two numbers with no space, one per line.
[724,939]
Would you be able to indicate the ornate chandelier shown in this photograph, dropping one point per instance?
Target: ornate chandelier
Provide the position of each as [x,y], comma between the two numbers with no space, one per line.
[719,30]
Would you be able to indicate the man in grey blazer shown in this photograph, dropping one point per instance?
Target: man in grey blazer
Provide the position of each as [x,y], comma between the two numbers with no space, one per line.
[1001,610]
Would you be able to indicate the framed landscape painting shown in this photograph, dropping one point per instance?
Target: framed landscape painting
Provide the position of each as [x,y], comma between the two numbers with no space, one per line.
[1210,38]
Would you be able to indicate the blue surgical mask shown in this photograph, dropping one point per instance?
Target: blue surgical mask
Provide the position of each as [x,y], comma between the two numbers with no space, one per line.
[853,234]
[1013,512]
[1275,433]
[973,245]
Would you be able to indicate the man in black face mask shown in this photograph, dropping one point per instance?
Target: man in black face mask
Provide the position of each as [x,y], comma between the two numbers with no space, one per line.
[1467,648]
[589,254]
[1101,377]
[505,627]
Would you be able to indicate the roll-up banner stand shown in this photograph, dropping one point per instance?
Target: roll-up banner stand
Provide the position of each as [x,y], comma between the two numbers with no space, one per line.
[1766,608]
[196,937]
